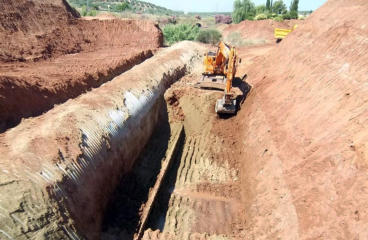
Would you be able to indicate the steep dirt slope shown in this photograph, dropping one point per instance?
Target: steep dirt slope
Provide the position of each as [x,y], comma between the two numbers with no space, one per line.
[257,32]
[32,30]
[47,55]
[304,124]
[37,29]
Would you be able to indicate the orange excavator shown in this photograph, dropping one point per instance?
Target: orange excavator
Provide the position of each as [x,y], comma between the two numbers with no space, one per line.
[220,70]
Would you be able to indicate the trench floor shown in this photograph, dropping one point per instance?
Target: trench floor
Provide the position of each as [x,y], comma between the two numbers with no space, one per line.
[199,197]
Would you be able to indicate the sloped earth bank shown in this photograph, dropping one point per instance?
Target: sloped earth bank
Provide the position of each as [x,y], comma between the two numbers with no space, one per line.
[58,170]
[304,125]
[256,32]
[48,55]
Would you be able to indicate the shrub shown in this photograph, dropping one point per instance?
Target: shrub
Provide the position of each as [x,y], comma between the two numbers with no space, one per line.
[261,16]
[293,15]
[84,12]
[261,9]
[279,19]
[92,13]
[122,7]
[94,6]
[286,16]
[212,36]
[176,33]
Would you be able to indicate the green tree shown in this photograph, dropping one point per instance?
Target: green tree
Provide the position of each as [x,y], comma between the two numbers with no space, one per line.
[122,7]
[294,9]
[243,9]
[268,5]
[261,9]
[279,7]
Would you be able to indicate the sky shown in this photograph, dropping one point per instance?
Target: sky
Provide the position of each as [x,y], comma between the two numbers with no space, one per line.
[224,5]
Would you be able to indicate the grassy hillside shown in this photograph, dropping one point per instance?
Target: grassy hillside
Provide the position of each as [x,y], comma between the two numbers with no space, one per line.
[122,5]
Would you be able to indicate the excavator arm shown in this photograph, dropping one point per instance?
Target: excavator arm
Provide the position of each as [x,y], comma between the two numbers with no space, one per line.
[231,70]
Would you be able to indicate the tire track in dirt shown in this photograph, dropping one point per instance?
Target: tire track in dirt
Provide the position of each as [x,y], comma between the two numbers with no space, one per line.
[199,200]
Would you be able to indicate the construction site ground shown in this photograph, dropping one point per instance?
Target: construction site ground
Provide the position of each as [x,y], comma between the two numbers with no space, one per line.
[105,136]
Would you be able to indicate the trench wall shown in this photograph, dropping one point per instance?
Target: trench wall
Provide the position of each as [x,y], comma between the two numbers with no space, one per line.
[58,170]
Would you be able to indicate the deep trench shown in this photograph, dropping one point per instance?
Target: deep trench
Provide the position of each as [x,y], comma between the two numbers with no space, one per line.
[122,216]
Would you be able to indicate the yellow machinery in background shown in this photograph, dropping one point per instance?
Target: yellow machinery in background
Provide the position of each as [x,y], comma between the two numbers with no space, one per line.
[281,33]
[220,70]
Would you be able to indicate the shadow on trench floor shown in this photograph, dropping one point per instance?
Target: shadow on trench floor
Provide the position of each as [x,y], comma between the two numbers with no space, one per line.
[122,217]
[157,218]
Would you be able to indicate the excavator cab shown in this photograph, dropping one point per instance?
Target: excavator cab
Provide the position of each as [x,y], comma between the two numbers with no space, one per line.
[209,59]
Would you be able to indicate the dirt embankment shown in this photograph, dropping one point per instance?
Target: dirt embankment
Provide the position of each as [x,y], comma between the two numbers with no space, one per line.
[255,32]
[304,173]
[58,170]
[38,29]
[48,55]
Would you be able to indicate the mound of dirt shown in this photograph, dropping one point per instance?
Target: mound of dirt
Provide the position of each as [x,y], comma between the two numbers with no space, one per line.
[31,30]
[48,55]
[261,31]
[304,124]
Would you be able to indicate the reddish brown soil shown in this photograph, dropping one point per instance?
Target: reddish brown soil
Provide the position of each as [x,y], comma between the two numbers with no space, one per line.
[302,130]
[262,30]
[298,144]
[57,137]
[47,55]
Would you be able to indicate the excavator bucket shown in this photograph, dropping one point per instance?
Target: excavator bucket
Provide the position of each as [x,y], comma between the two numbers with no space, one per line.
[224,106]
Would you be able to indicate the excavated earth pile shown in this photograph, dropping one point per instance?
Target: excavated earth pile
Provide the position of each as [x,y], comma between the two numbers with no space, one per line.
[58,170]
[49,55]
[304,167]
[256,32]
